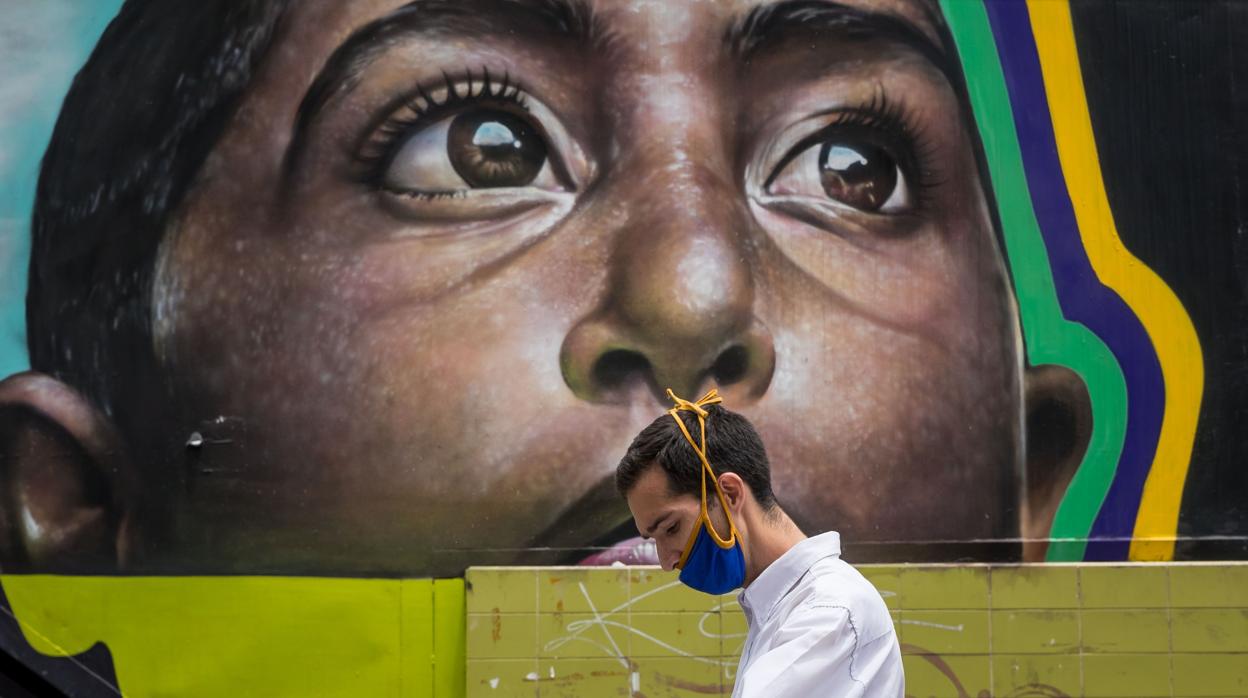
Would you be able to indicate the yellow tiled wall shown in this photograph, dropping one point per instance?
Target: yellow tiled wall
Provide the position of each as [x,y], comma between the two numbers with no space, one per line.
[1021,631]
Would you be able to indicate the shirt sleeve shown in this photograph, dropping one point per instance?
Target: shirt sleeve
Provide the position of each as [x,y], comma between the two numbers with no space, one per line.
[819,653]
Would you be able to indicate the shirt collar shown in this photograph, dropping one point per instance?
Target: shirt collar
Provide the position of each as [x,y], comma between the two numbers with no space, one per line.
[774,582]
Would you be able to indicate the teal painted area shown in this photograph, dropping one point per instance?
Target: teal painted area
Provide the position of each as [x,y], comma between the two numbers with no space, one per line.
[1049,337]
[42,45]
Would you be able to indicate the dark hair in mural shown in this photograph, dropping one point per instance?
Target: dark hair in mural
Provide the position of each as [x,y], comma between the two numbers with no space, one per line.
[732,446]
[135,128]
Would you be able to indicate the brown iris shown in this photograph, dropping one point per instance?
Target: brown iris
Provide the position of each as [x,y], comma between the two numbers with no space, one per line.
[491,148]
[858,174]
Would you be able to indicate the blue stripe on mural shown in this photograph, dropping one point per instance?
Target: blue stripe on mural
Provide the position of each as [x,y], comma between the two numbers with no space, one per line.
[1082,296]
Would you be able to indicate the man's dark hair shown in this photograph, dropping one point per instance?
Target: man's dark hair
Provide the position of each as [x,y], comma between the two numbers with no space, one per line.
[732,446]
[137,124]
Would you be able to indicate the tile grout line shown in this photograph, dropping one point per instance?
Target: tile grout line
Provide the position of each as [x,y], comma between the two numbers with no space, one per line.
[992,650]
[628,611]
[537,622]
[1169,626]
[1079,623]
[400,642]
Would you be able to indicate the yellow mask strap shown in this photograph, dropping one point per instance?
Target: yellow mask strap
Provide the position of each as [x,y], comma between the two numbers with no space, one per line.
[698,408]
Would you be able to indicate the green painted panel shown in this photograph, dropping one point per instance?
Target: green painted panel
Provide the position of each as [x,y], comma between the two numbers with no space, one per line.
[449,638]
[1209,630]
[490,588]
[416,649]
[1121,675]
[955,676]
[1035,631]
[945,632]
[501,678]
[944,587]
[1124,586]
[1035,586]
[1116,631]
[579,590]
[1209,585]
[1211,675]
[501,635]
[299,633]
[1015,674]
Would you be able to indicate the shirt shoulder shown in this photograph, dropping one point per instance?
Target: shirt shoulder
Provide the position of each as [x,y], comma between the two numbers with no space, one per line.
[833,584]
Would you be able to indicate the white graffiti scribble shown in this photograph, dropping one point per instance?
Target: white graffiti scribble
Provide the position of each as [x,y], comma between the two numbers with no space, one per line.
[605,629]
[614,621]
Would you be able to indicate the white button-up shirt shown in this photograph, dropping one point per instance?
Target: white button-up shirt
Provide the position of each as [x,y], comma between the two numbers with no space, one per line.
[817,628]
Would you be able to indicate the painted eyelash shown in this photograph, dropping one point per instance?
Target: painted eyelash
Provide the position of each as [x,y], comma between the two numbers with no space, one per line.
[880,117]
[913,148]
[424,195]
[422,108]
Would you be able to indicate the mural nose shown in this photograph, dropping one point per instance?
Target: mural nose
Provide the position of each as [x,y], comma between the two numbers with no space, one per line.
[603,363]
[679,308]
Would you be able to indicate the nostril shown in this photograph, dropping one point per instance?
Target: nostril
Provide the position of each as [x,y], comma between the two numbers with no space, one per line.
[620,368]
[732,365]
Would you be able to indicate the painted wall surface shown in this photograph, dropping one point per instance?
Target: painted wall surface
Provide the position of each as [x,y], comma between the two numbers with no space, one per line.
[966,630]
[1030,631]
[381,290]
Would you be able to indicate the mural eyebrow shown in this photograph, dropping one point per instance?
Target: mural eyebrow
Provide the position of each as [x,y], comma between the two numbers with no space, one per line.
[766,26]
[570,19]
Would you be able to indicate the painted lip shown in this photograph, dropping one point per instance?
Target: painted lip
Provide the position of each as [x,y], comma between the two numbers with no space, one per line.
[633,551]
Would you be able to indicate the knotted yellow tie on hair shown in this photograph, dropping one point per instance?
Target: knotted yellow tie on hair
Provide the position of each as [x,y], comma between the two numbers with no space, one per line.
[698,408]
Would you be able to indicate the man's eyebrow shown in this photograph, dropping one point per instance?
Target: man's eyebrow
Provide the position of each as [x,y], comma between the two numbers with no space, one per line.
[767,25]
[570,19]
[649,532]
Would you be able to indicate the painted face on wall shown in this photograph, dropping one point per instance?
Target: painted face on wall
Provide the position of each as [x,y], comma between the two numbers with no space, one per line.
[446,257]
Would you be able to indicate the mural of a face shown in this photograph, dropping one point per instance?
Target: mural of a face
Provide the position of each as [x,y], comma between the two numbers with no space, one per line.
[446,256]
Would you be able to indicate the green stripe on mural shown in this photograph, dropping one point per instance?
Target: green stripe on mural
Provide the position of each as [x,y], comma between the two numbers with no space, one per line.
[1049,337]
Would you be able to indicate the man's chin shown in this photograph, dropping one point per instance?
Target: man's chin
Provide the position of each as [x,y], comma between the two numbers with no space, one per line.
[634,551]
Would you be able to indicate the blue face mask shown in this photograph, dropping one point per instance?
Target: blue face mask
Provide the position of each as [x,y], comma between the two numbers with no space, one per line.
[710,563]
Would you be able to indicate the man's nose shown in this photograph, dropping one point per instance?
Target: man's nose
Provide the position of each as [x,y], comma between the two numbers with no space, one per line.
[668,559]
[679,307]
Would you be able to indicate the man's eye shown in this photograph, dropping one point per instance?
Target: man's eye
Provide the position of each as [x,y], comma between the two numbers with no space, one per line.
[849,170]
[476,149]
[671,531]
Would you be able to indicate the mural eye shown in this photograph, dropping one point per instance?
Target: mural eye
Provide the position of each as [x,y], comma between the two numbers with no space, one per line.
[478,149]
[849,170]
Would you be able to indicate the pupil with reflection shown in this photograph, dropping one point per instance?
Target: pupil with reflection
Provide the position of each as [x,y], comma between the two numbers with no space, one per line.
[493,149]
[862,176]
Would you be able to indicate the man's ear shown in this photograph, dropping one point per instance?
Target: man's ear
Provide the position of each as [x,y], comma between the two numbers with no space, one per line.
[734,491]
[1058,427]
[63,480]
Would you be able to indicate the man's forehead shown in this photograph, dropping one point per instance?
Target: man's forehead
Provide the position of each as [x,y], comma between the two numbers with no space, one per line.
[652,488]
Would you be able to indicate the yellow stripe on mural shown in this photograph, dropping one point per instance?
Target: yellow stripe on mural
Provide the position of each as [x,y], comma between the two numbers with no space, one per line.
[1161,313]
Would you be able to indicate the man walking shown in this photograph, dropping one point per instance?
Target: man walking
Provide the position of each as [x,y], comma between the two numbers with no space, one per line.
[816,626]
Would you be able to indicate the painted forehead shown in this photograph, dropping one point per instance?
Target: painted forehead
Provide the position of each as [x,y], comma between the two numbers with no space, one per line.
[645,24]
[743,29]
[922,15]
